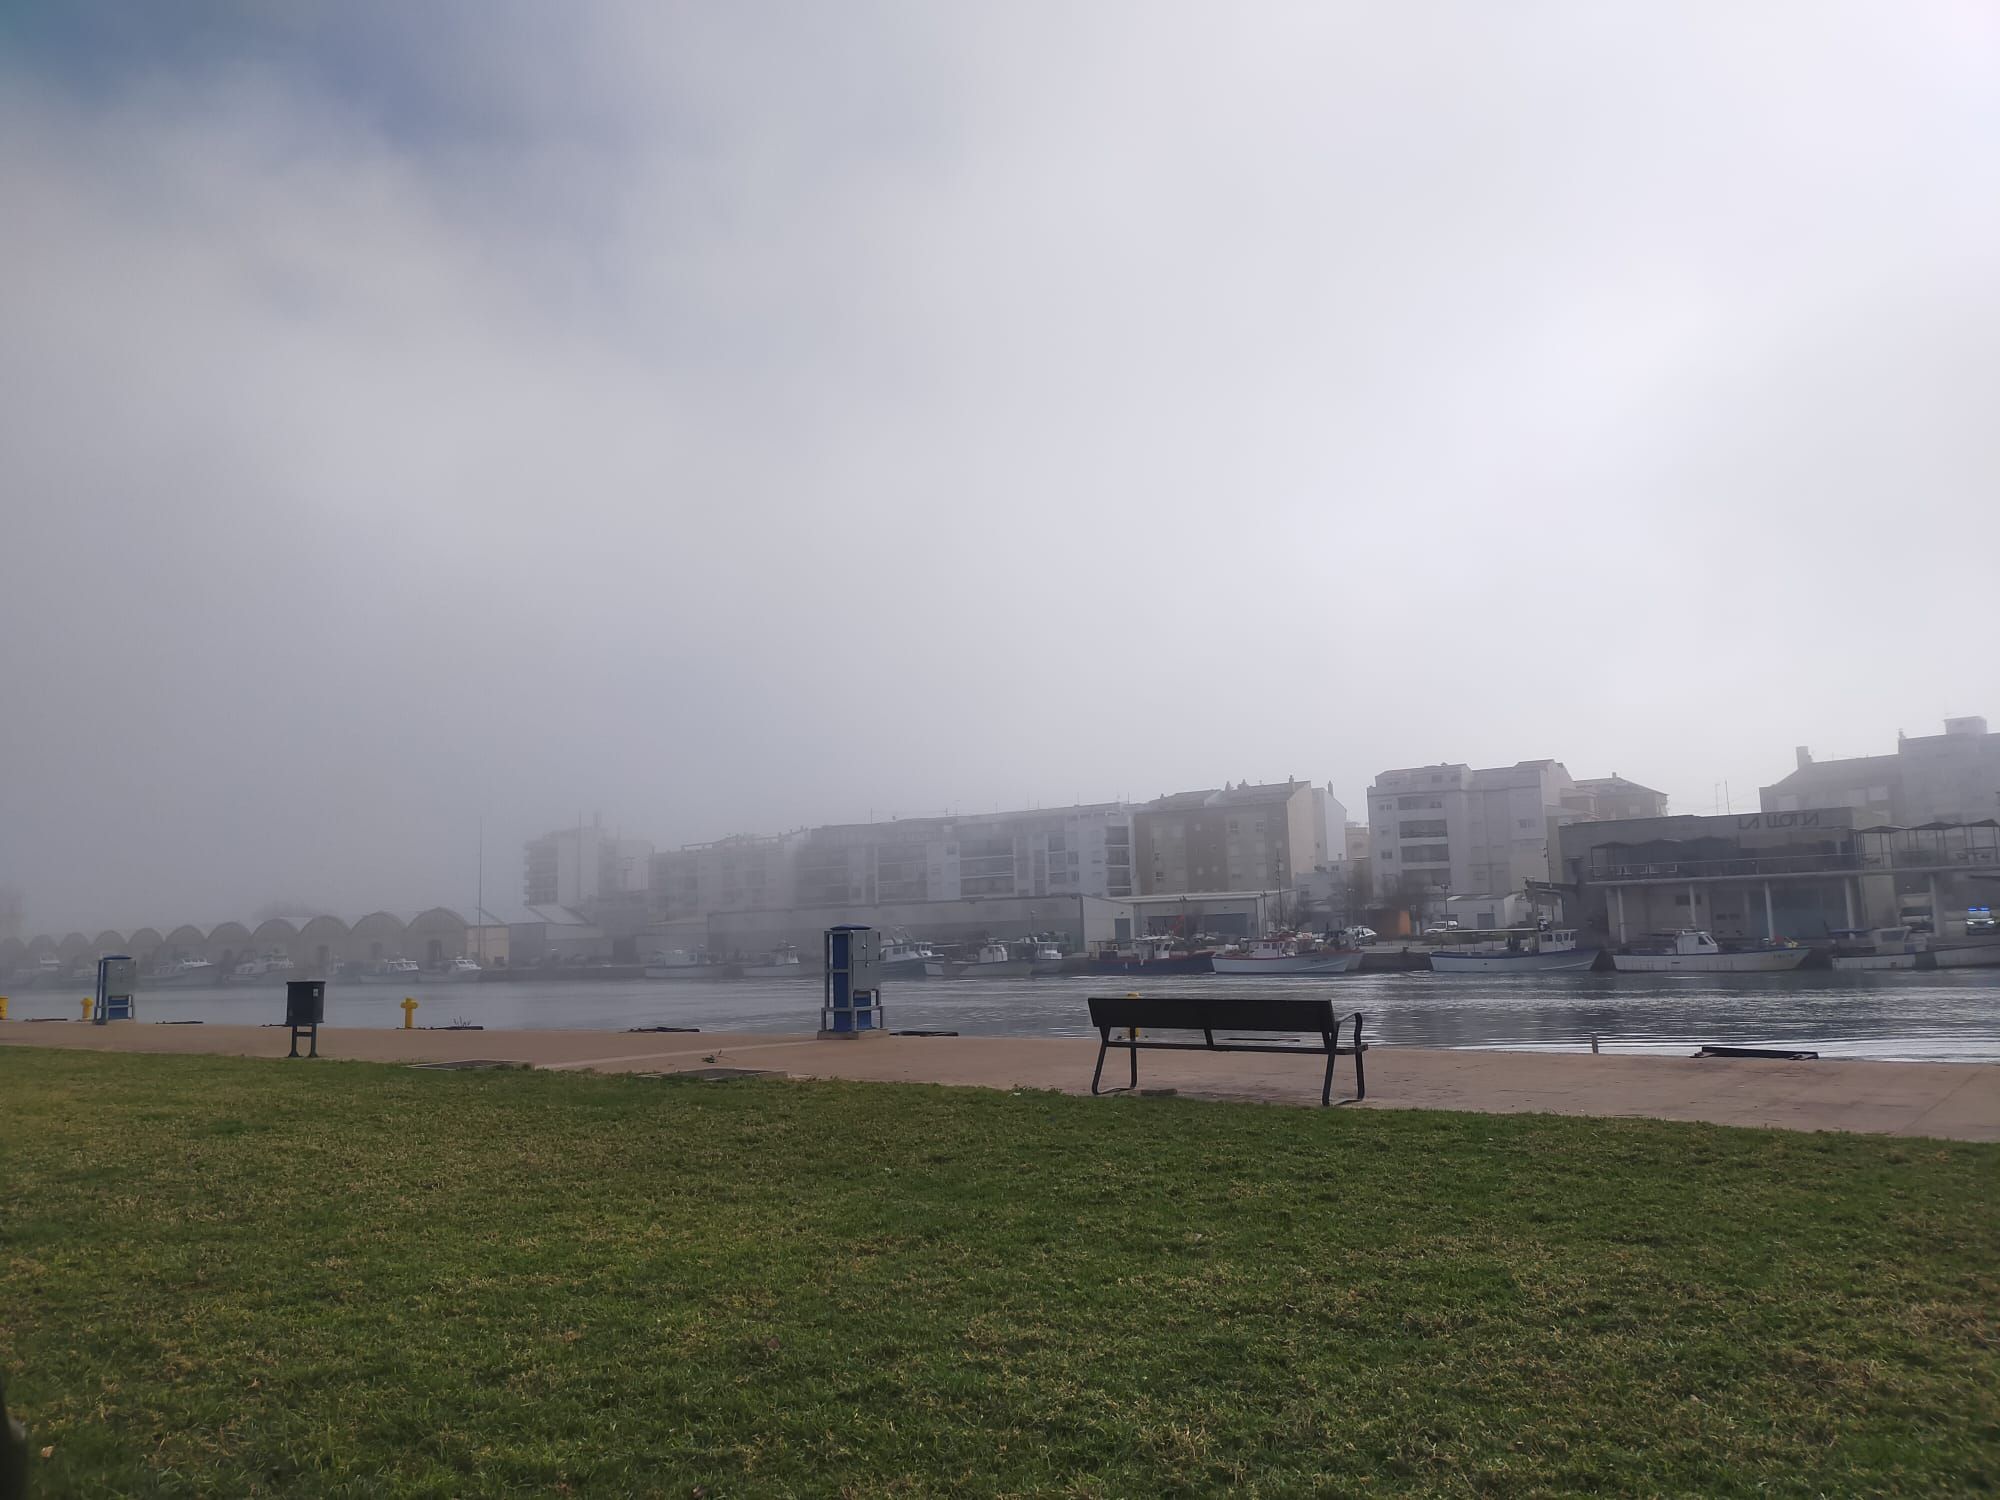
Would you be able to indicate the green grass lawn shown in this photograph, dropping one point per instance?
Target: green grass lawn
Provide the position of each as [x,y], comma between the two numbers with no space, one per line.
[225,1278]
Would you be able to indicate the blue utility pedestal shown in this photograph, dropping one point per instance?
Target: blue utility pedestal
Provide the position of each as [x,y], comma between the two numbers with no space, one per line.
[852,1005]
[117,983]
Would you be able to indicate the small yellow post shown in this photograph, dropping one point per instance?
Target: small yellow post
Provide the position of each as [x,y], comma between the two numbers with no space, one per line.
[88,1001]
[409,1014]
[3,1007]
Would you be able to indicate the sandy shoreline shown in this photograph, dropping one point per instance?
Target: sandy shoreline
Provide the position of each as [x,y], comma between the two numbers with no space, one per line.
[1958,1101]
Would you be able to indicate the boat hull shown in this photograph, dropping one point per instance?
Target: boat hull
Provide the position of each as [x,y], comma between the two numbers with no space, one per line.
[1292,963]
[1180,963]
[1514,963]
[453,976]
[902,968]
[1970,956]
[1013,968]
[1848,961]
[1771,961]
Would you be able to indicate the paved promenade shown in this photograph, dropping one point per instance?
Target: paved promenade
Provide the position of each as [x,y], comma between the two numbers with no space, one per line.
[1953,1100]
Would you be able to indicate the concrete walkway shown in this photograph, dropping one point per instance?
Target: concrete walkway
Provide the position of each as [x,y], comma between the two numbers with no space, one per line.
[1959,1101]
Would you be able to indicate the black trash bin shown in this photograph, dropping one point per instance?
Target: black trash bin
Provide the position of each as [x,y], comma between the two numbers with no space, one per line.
[305,1008]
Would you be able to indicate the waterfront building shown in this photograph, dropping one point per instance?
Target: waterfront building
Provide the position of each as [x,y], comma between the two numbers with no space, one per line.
[1464,832]
[1952,777]
[1082,850]
[1239,838]
[576,867]
[1600,798]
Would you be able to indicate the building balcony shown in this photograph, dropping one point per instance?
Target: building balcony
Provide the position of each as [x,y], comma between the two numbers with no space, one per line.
[1744,868]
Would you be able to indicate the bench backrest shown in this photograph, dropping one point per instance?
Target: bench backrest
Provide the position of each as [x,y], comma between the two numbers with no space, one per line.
[1213,1013]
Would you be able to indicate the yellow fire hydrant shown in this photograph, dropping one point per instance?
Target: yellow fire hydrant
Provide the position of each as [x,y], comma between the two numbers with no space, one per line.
[88,1001]
[409,1014]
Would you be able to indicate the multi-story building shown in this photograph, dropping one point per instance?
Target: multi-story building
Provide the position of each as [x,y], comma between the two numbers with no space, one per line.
[1952,777]
[1241,838]
[746,872]
[1597,799]
[1464,832]
[1084,850]
[575,867]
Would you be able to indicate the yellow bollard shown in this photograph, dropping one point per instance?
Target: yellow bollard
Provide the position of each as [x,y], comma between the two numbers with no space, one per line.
[3,1007]
[87,1003]
[409,1014]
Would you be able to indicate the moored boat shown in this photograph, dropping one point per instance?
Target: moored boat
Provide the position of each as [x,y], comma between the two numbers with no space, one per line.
[1279,955]
[681,964]
[458,971]
[903,958]
[1526,951]
[404,971]
[1043,958]
[1973,954]
[992,961]
[782,962]
[184,971]
[1151,956]
[1694,952]
[1877,948]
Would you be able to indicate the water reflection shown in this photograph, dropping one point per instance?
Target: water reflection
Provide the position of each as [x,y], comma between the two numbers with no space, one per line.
[1934,1017]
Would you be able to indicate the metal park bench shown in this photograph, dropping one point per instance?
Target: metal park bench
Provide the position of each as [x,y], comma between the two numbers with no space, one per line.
[1209,1014]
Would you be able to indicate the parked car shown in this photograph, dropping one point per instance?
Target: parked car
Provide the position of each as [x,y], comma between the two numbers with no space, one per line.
[1354,937]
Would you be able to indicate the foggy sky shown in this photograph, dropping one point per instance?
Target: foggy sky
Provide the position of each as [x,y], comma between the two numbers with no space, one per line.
[729,418]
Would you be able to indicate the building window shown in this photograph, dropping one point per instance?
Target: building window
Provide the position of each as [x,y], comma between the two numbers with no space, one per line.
[1426,854]
[1423,828]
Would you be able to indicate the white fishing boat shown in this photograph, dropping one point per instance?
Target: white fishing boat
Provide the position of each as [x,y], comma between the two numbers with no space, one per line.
[1694,952]
[1284,955]
[682,964]
[1973,954]
[458,971]
[904,958]
[185,971]
[1517,951]
[992,961]
[272,966]
[404,971]
[782,962]
[1043,958]
[1877,948]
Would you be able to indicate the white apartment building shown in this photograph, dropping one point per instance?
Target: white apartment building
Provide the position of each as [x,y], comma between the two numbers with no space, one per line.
[1464,832]
[1084,850]
[574,867]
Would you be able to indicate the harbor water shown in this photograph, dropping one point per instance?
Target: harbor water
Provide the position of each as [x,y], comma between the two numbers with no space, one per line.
[1934,1017]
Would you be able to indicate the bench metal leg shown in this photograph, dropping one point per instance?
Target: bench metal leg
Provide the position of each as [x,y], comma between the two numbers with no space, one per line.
[1360,1052]
[1326,1085]
[1104,1046]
